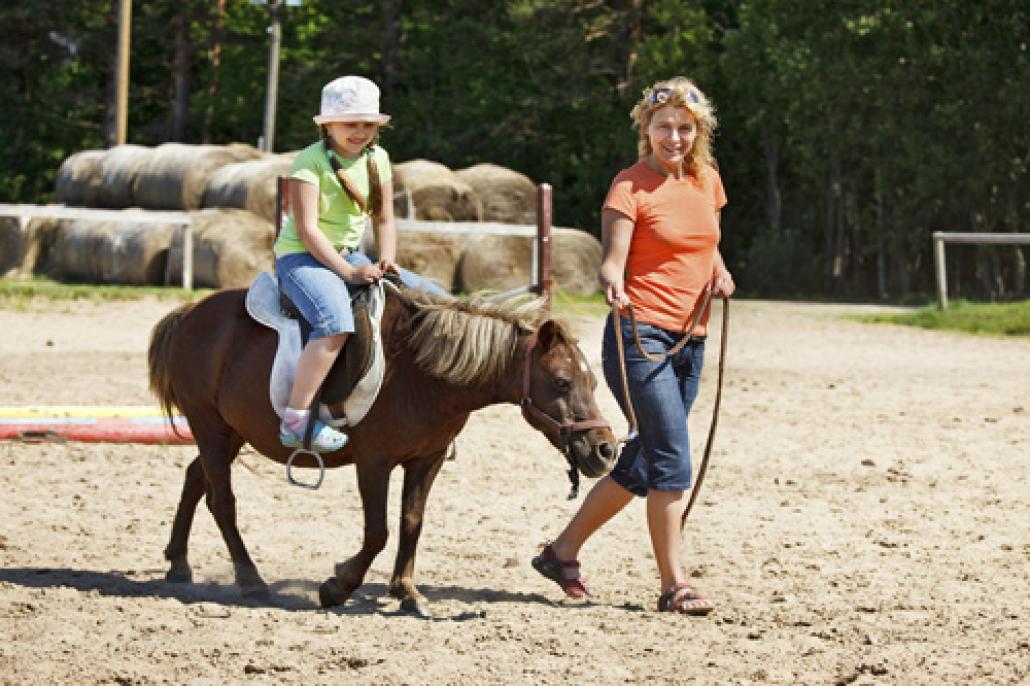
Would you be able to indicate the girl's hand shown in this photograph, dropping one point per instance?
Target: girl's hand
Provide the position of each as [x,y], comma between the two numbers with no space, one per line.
[389,266]
[366,273]
[723,284]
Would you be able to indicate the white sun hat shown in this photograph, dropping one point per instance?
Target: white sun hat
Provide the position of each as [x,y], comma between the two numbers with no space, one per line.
[350,98]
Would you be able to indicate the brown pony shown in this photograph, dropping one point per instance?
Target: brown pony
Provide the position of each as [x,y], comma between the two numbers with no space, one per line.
[444,359]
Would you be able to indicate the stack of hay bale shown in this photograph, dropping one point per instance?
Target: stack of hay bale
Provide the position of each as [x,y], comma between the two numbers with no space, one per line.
[233,243]
[487,193]
[231,246]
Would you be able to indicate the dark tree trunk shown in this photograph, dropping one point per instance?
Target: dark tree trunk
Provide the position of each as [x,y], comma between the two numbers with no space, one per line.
[110,126]
[214,56]
[391,46]
[181,66]
[1018,272]
[773,200]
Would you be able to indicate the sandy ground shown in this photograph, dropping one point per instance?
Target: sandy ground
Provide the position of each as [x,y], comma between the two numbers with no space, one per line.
[866,520]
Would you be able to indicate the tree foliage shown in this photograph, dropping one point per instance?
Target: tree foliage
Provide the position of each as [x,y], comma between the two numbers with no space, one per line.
[849,131]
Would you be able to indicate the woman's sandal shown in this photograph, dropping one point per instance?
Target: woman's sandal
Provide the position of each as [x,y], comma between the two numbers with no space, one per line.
[565,573]
[686,599]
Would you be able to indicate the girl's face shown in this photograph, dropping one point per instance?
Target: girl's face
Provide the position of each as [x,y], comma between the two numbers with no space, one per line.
[672,133]
[351,137]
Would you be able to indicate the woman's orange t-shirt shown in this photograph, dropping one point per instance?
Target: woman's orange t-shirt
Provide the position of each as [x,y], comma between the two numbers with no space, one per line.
[676,232]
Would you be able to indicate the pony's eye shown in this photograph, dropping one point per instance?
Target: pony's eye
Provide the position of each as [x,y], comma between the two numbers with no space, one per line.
[562,384]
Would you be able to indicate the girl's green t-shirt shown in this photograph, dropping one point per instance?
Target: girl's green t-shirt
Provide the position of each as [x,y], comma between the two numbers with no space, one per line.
[338,217]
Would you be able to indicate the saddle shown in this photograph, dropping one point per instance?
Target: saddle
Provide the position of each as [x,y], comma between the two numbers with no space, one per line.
[357,375]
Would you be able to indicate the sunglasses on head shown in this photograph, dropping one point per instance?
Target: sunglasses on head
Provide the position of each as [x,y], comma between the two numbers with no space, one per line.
[660,96]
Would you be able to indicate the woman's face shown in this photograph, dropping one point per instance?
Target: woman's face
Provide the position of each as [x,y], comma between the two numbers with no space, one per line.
[672,133]
[351,137]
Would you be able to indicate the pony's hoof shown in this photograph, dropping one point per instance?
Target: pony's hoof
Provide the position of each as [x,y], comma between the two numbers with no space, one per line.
[179,574]
[328,596]
[416,607]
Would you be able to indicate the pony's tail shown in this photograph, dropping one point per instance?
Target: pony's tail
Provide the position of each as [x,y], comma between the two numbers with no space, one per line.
[157,360]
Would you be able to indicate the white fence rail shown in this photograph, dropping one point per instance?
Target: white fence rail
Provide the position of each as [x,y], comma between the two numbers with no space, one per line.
[942,237]
[541,256]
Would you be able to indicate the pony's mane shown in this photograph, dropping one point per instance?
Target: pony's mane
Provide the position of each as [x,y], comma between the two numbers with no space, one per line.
[471,341]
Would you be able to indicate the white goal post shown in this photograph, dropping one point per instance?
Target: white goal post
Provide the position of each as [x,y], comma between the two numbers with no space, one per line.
[942,237]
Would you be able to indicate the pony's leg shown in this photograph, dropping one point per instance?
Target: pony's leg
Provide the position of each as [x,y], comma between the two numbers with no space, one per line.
[175,553]
[373,483]
[216,457]
[418,479]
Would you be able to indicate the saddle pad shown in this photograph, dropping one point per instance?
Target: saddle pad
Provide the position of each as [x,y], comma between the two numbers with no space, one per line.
[262,304]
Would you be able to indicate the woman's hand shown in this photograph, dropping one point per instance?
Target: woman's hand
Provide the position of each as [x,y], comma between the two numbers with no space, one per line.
[388,266]
[614,292]
[723,285]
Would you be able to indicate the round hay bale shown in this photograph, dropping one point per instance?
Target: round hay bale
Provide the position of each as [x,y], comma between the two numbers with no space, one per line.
[495,263]
[507,196]
[11,241]
[501,263]
[248,185]
[119,168]
[438,194]
[176,174]
[24,249]
[100,251]
[433,256]
[79,178]
[575,258]
[230,248]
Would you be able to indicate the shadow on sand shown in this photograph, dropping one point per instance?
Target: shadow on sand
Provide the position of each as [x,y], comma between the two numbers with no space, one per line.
[290,594]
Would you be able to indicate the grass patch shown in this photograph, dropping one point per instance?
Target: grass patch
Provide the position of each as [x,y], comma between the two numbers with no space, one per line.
[568,305]
[987,319]
[26,294]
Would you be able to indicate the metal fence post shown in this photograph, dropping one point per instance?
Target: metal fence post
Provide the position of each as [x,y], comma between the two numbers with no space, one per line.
[940,266]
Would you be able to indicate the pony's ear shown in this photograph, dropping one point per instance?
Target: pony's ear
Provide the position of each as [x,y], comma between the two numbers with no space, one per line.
[550,334]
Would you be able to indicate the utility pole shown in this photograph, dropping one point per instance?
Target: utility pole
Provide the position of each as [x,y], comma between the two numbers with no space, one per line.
[121,116]
[271,89]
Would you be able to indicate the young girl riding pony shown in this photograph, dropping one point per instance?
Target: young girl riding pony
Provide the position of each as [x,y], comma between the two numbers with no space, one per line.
[336,184]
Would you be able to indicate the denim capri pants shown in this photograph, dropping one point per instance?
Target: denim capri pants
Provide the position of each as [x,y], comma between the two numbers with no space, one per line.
[658,457]
[323,298]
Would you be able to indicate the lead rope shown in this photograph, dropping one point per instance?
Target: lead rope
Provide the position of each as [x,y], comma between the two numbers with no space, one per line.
[631,414]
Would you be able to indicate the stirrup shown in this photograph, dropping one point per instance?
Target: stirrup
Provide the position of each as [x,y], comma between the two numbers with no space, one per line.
[321,469]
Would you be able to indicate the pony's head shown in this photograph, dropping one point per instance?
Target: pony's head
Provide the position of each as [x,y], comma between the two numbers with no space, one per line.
[515,348]
[557,398]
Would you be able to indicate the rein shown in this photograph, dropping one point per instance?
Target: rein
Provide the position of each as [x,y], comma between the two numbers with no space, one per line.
[631,415]
[560,432]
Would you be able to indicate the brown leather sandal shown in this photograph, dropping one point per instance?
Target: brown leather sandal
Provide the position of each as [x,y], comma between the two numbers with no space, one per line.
[685,599]
[565,573]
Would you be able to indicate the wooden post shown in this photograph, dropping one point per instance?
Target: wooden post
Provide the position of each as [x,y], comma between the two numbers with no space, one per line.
[272,86]
[941,270]
[543,237]
[121,117]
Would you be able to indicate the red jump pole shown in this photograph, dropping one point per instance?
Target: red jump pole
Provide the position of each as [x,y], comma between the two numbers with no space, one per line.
[543,242]
[149,430]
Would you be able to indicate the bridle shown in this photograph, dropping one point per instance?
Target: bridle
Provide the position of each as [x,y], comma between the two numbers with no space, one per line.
[706,302]
[559,432]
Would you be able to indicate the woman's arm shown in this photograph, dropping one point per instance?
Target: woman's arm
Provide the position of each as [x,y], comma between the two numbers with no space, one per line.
[722,279]
[616,234]
[304,205]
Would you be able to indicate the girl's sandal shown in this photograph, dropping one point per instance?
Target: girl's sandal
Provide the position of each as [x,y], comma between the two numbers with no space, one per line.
[565,573]
[685,599]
